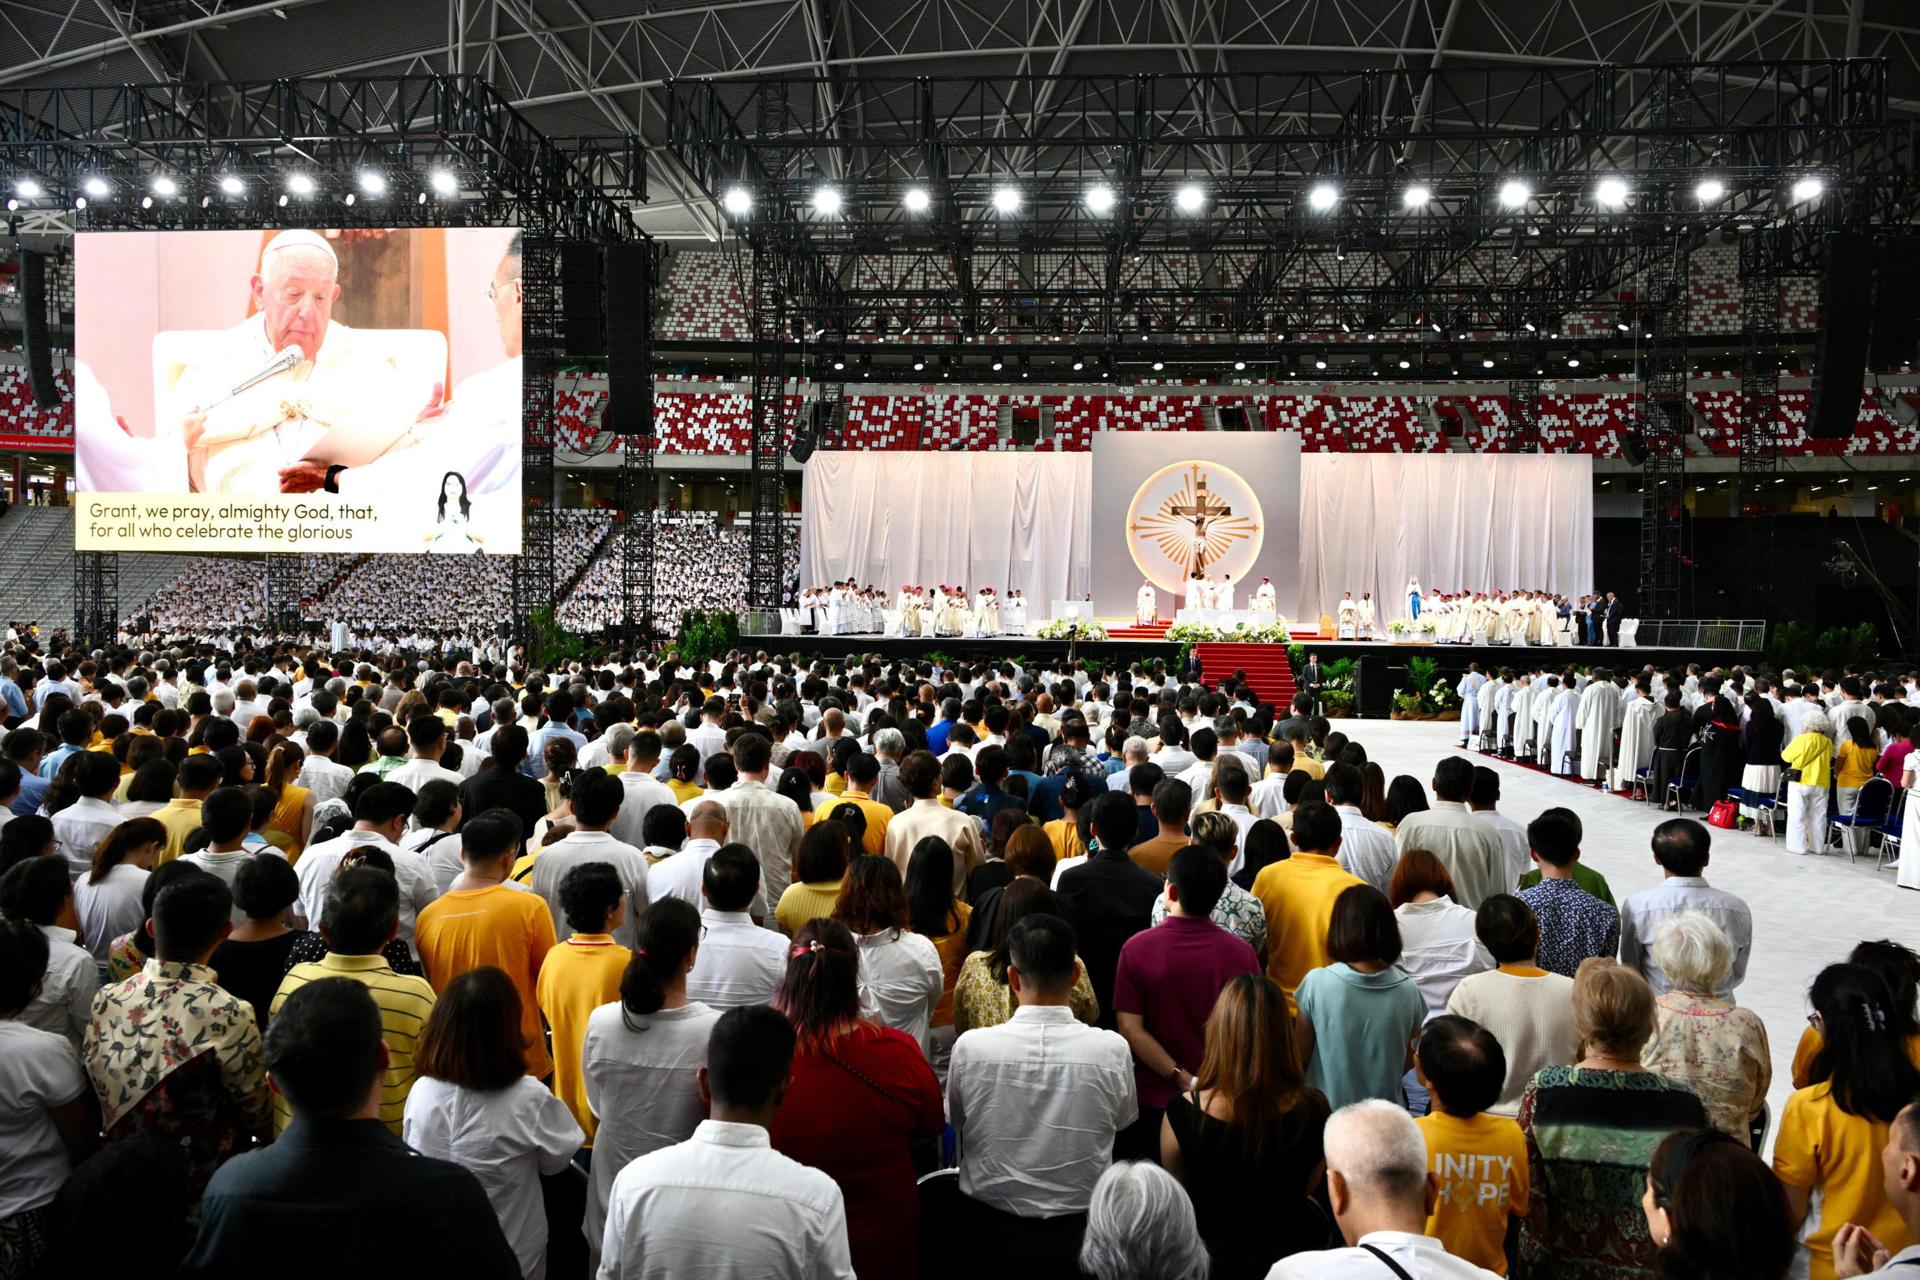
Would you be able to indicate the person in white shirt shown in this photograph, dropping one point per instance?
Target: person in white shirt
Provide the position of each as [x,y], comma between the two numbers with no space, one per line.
[426,742]
[37,892]
[724,1205]
[681,874]
[318,773]
[1469,848]
[1366,850]
[1483,801]
[226,816]
[380,817]
[1381,1193]
[48,1111]
[436,832]
[596,803]
[739,962]
[1680,846]
[901,976]
[643,1054]
[79,828]
[1439,941]
[106,900]
[760,818]
[707,737]
[609,748]
[1036,1102]
[473,1103]
[1133,752]
[644,791]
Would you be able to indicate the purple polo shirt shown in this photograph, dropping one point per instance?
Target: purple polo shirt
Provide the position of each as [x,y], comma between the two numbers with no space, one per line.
[1171,975]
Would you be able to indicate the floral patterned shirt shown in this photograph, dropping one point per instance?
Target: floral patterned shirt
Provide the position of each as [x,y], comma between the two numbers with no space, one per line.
[1716,1048]
[1238,912]
[160,1020]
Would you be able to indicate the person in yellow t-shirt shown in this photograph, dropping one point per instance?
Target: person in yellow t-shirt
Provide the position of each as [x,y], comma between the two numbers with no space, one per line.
[1479,1161]
[1299,894]
[1899,968]
[1833,1133]
[581,974]
[1812,754]
[863,771]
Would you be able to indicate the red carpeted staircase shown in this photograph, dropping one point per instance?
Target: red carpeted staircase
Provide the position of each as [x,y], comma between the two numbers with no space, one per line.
[1155,630]
[1265,664]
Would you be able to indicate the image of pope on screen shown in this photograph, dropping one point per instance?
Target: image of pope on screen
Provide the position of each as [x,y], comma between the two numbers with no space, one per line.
[295,390]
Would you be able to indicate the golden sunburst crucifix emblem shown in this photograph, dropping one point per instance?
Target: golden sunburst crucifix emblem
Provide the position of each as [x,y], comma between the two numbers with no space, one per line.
[1193,527]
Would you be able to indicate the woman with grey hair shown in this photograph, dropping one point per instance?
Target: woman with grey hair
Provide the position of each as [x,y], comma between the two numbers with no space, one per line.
[1712,1045]
[1811,754]
[1140,1227]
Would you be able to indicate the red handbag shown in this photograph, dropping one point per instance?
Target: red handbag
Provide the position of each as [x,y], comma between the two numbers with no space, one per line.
[1725,813]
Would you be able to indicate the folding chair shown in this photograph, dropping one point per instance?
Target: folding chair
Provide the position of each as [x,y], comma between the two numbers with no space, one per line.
[1870,809]
[1689,780]
[1890,833]
[1642,782]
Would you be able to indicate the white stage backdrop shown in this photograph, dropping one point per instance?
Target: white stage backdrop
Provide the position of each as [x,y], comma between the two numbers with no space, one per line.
[1457,521]
[1000,520]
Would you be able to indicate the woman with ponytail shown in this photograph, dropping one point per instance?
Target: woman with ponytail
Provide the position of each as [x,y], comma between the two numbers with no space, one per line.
[862,1097]
[643,1054]
[1715,1211]
[1833,1131]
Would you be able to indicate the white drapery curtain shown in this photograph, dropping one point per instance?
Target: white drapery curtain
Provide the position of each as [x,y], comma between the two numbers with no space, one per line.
[1000,520]
[1456,521]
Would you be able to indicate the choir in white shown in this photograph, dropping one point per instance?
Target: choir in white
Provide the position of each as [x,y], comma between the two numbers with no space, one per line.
[848,609]
[1485,617]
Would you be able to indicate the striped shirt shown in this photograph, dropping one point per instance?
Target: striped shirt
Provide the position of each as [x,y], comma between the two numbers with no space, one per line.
[404,1000]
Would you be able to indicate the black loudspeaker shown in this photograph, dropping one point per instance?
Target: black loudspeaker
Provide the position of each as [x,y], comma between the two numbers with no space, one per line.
[1372,690]
[33,328]
[1896,303]
[1633,447]
[629,271]
[808,430]
[583,321]
[1846,315]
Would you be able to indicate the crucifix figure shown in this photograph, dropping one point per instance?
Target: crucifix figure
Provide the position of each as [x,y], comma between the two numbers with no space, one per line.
[1202,511]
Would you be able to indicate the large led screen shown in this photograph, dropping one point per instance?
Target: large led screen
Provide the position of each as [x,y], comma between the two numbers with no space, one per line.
[298,391]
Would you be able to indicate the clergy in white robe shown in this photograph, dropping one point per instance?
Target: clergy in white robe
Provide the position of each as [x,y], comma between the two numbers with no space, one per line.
[1520,718]
[1223,594]
[1562,725]
[1366,615]
[1636,741]
[1469,691]
[1017,615]
[1599,718]
[1146,604]
[1347,614]
[1544,700]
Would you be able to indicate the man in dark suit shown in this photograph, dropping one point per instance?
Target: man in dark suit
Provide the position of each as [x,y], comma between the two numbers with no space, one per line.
[1615,613]
[1313,680]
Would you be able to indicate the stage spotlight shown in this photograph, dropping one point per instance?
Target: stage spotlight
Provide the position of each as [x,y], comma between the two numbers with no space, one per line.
[1078,365]
[1415,197]
[300,184]
[1487,363]
[1323,197]
[1573,362]
[79,202]
[919,363]
[1611,193]
[1239,366]
[1319,364]
[917,200]
[443,183]
[839,365]
[826,201]
[96,187]
[998,364]
[28,189]
[164,187]
[373,182]
[1406,364]
[419,199]
[1514,194]
[1807,188]
[1709,190]
[232,186]
[1006,200]
[1190,198]
[737,202]
[1621,325]
[1100,199]
[146,202]
[1159,366]
[348,199]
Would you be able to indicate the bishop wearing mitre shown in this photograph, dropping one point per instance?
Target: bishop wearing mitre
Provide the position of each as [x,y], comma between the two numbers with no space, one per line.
[1146,604]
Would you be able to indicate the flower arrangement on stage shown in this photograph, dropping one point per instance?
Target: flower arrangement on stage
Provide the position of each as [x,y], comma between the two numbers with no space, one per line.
[1189,633]
[1426,695]
[1417,630]
[1069,629]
